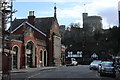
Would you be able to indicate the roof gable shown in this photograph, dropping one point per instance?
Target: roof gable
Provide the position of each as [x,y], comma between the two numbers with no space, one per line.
[42,24]
[17,22]
[30,26]
[55,28]
[36,29]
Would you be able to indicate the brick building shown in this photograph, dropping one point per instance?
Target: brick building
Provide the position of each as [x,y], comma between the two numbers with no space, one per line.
[36,41]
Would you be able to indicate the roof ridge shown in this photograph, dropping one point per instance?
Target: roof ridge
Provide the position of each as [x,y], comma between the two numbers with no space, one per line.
[35,18]
[44,17]
[21,19]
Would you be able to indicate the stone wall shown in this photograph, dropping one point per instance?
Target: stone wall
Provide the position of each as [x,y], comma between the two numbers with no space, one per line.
[57,51]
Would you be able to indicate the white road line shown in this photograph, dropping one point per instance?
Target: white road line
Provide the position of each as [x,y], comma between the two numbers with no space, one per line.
[33,75]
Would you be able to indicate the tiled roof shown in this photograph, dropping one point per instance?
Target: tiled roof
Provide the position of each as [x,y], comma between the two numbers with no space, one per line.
[42,24]
[17,22]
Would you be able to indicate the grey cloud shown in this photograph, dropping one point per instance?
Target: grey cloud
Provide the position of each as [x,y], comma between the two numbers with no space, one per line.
[111,15]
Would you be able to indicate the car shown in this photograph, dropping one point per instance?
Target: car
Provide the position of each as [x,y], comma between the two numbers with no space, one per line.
[107,68]
[72,62]
[119,69]
[118,66]
[94,64]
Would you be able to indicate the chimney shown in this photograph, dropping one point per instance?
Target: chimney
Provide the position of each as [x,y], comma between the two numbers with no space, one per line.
[31,18]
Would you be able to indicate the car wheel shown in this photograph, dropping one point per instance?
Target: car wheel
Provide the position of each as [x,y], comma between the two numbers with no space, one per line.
[101,74]
[98,71]
[90,68]
[114,75]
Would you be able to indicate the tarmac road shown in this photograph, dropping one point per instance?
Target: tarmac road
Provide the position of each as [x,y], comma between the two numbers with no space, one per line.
[80,72]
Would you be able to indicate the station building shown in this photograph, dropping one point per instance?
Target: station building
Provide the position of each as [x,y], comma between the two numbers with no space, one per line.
[35,41]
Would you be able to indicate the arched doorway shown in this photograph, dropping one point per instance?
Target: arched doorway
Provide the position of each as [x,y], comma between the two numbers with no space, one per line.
[15,58]
[43,58]
[41,61]
[30,52]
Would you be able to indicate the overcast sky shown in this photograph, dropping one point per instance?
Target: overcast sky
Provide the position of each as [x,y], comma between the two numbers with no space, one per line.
[69,11]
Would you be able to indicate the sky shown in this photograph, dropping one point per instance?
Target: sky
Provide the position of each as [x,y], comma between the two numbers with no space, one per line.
[70,11]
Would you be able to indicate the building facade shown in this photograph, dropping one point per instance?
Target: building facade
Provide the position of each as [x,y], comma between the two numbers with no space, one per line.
[36,42]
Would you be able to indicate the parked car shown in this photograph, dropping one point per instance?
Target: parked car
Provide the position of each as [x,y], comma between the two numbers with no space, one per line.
[72,62]
[94,65]
[107,68]
[119,69]
[118,66]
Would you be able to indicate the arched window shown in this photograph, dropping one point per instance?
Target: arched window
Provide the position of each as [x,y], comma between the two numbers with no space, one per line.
[15,56]
[29,52]
[41,55]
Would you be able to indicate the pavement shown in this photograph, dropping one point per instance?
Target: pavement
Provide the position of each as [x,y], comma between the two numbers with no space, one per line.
[30,69]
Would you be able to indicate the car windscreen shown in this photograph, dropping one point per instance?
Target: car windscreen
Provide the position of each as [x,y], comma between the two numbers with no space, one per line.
[107,64]
[96,62]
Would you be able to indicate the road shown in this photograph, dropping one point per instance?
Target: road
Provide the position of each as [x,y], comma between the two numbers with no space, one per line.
[80,72]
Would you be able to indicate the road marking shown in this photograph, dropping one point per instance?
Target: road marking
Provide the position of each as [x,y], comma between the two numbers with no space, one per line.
[38,73]
[33,75]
